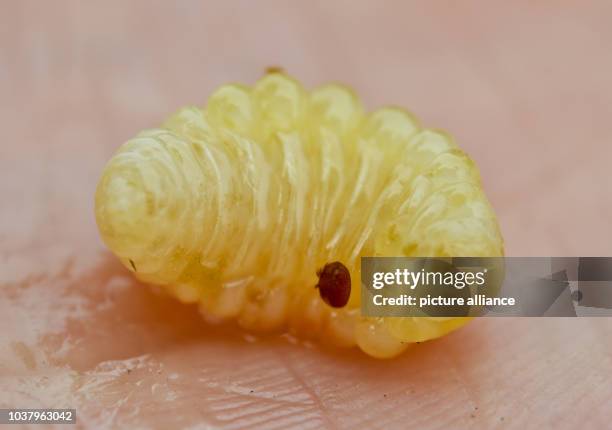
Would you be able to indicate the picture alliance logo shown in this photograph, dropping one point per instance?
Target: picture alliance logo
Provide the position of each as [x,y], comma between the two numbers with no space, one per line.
[412,279]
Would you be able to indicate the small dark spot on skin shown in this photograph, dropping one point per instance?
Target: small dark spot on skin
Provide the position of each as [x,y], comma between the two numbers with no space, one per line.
[274,69]
[472,416]
[252,391]
[501,418]
[129,371]
[334,284]
[384,395]
[133,265]
[475,408]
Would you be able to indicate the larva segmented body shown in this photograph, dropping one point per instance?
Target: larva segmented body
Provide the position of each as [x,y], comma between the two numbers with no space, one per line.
[237,205]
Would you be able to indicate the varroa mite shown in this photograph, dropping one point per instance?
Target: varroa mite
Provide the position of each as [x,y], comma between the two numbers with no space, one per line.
[334,284]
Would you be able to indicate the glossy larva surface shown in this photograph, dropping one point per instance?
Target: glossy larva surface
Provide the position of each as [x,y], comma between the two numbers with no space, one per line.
[237,205]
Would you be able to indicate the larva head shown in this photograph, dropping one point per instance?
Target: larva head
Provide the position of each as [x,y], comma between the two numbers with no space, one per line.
[140,201]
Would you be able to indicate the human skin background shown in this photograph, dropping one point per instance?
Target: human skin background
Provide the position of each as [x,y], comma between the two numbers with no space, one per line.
[525,87]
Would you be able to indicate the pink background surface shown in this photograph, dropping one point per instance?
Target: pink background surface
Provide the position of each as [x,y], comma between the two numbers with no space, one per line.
[525,88]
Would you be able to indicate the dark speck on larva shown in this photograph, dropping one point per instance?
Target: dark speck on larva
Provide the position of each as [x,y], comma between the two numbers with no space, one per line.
[334,284]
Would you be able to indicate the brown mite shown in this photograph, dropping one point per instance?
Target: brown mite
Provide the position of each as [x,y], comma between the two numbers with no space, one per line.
[334,284]
[274,69]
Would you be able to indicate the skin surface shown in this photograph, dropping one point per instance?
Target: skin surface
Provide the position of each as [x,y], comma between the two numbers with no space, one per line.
[524,88]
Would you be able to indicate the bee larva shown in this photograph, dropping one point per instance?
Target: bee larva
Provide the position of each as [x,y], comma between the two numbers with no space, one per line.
[236,207]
